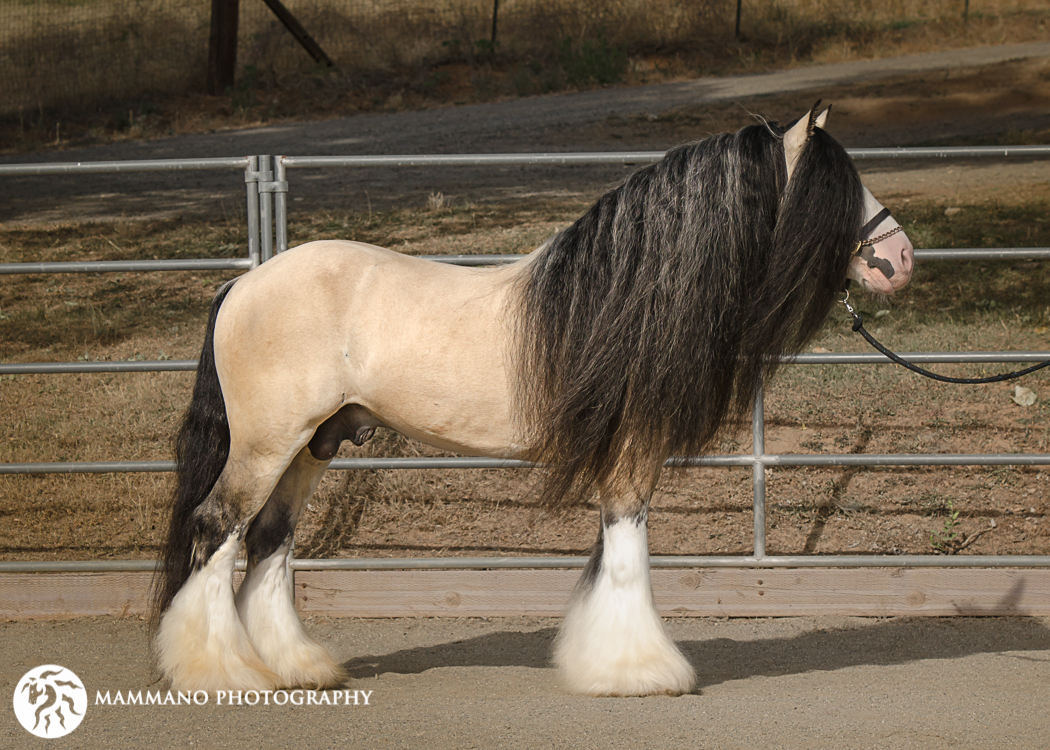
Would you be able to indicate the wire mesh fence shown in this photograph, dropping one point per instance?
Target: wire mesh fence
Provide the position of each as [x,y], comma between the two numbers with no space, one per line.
[94,53]
[57,53]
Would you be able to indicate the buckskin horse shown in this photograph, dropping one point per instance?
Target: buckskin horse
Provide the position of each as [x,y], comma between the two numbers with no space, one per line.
[642,331]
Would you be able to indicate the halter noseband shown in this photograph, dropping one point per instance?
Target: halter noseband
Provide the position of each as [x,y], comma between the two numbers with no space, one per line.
[865,245]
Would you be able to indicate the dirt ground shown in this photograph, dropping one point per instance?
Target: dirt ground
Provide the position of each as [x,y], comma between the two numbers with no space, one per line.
[794,683]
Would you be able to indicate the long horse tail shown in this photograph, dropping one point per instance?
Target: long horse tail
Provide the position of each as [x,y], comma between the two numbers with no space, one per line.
[201,449]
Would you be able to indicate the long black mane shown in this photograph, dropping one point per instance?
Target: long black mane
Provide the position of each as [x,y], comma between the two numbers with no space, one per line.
[649,324]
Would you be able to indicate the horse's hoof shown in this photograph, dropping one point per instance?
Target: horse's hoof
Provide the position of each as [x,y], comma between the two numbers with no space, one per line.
[311,667]
[674,676]
[211,675]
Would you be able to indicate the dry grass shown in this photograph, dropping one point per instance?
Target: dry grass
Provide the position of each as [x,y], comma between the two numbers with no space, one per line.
[103,70]
[810,409]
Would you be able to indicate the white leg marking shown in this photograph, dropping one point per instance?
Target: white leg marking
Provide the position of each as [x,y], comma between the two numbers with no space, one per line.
[266,604]
[201,644]
[613,641]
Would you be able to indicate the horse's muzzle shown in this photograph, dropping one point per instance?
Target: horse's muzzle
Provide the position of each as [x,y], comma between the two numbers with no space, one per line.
[886,266]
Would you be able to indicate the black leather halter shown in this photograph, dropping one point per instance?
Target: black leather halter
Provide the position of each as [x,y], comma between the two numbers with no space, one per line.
[872,225]
[865,245]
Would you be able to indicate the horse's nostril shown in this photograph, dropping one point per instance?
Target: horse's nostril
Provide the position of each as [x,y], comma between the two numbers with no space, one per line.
[907,258]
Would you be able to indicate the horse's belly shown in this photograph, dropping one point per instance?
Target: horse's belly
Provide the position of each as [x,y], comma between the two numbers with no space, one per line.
[467,428]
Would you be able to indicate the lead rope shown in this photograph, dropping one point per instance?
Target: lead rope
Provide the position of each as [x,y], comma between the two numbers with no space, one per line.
[858,326]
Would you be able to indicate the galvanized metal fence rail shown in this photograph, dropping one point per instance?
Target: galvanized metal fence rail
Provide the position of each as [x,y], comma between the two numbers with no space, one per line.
[267,187]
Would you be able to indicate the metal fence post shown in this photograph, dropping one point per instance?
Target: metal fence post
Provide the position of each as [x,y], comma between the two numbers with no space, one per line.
[251,178]
[280,198]
[266,207]
[758,470]
[272,199]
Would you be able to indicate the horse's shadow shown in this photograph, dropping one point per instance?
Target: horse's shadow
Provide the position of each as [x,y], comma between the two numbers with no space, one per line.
[718,660]
[502,649]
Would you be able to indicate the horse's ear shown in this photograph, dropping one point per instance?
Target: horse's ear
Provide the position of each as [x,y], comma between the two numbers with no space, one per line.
[794,140]
[797,135]
[821,119]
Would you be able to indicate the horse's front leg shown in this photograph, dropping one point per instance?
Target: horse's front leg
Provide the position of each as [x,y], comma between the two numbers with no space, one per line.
[612,641]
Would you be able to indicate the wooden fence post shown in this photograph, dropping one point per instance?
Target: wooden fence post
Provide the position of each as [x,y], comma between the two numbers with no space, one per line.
[222,46]
[300,33]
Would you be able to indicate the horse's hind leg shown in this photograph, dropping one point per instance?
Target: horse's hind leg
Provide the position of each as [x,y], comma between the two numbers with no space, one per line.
[612,641]
[266,598]
[200,642]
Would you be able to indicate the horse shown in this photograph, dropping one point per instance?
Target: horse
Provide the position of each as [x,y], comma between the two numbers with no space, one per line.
[640,332]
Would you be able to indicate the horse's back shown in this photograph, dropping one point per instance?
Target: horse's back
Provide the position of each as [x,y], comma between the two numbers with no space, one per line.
[424,346]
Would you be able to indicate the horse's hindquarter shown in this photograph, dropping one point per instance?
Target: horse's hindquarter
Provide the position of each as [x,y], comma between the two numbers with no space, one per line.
[421,345]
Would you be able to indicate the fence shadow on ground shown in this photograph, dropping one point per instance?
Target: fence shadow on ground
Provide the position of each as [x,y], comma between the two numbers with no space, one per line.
[847,644]
[885,643]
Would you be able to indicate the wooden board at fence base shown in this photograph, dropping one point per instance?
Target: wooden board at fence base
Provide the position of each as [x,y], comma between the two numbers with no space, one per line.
[45,596]
[876,592]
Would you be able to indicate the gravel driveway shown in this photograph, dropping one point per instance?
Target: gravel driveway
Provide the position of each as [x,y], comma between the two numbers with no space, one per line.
[559,122]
